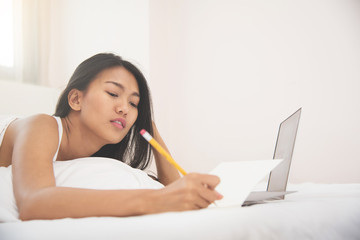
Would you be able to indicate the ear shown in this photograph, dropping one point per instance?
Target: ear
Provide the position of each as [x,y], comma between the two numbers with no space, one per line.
[75,99]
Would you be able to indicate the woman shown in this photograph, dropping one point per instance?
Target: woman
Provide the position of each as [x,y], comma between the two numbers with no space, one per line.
[101,111]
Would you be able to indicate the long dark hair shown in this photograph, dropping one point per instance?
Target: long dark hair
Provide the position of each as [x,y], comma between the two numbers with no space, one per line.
[133,149]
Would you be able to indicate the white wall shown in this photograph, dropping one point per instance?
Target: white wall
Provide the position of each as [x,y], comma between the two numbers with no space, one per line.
[20,99]
[82,28]
[225,73]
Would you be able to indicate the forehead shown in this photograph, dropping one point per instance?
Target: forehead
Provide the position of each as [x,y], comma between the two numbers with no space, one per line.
[119,75]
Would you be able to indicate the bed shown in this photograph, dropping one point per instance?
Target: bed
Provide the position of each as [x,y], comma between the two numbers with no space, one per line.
[315,211]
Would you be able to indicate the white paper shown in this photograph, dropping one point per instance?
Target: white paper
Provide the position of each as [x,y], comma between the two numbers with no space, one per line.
[237,179]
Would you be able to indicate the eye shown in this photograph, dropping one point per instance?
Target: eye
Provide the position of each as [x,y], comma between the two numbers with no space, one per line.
[133,105]
[112,94]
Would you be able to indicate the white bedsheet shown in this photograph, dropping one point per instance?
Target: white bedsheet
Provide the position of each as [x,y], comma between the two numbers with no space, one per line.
[316,211]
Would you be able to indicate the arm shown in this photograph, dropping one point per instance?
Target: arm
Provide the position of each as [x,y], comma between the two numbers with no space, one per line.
[188,193]
[38,197]
[167,173]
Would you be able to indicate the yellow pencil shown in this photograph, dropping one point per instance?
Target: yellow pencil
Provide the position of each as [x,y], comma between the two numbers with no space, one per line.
[161,150]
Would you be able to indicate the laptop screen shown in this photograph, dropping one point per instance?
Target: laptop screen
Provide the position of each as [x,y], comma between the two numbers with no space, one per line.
[284,150]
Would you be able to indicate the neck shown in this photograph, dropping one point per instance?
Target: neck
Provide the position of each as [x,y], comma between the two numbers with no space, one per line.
[77,141]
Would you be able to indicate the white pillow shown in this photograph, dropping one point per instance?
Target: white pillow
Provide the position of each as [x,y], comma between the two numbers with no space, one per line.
[101,173]
[91,173]
[8,208]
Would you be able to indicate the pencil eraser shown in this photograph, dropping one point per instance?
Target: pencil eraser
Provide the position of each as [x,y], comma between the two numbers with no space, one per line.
[143,131]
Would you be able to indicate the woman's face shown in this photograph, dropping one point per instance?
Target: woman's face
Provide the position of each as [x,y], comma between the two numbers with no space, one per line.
[109,105]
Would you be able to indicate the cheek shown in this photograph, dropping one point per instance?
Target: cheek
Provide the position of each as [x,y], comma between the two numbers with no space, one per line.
[134,116]
[95,100]
[93,104]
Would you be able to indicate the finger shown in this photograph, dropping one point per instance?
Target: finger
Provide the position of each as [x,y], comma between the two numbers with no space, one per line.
[202,202]
[207,181]
[219,196]
[211,181]
[209,195]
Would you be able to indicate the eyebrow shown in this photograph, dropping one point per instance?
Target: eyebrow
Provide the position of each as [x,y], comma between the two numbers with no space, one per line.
[122,87]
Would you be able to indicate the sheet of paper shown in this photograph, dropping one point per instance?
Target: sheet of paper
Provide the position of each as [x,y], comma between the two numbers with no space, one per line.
[239,178]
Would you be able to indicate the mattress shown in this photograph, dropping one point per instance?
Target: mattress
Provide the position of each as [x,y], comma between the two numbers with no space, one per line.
[315,211]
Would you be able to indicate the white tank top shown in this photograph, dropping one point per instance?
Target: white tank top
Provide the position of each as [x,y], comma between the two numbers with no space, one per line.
[60,127]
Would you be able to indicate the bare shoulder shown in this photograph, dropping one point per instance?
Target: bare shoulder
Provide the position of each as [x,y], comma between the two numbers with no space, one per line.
[34,136]
[36,124]
[42,121]
[37,129]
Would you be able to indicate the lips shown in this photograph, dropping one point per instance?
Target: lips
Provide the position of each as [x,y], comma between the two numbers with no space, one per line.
[119,122]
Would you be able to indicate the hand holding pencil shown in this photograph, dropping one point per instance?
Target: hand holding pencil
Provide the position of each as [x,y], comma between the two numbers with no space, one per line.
[204,180]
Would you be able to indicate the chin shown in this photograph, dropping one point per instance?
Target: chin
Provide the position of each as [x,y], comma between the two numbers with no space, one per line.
[117,140]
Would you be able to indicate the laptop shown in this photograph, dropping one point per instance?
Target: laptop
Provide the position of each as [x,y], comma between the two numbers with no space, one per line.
[276,187]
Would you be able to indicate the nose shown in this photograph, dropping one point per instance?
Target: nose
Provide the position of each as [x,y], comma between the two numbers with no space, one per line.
[122,107]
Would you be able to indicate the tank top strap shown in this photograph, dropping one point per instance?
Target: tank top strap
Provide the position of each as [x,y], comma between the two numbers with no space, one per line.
[60,127]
